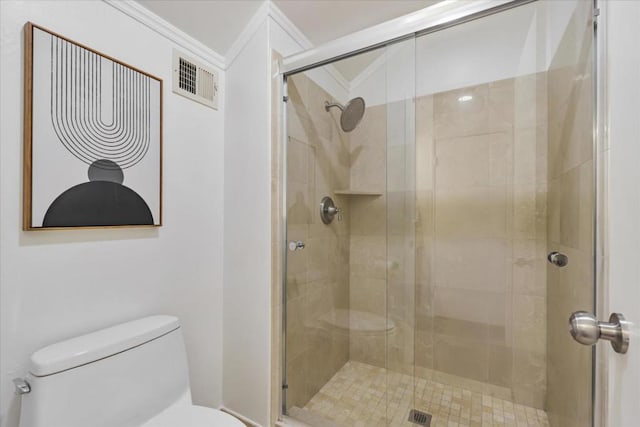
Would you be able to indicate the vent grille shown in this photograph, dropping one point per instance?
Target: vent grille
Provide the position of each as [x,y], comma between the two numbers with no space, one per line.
[187,76]
[194,81]
[207,87]
[420,418]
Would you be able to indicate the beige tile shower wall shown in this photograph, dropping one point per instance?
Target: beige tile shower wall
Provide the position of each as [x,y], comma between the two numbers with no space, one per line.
[424,236]
[481,235]
[368,233]
[382,270]
[382,262]
[571,225]
[317,276]
[401,213]
[529,240]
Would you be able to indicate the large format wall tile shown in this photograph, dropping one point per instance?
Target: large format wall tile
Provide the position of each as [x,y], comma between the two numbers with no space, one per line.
[482,234]
[474,264]
[478,212]
[570,221]
[317,277]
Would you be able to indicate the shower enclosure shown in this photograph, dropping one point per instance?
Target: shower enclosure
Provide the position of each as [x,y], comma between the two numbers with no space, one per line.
[419,213]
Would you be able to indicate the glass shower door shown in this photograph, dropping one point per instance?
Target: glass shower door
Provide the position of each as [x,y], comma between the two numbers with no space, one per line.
[350,317]
[401,231]
[317,266]
[504,149]
[336,288]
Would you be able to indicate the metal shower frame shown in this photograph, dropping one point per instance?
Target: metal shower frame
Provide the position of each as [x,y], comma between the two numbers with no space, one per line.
[440,16]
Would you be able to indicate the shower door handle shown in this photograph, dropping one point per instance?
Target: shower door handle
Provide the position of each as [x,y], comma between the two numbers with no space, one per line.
[558,259]
[295,246]
[587,329]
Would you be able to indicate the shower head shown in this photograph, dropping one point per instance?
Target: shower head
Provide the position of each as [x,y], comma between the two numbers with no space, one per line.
[351,113]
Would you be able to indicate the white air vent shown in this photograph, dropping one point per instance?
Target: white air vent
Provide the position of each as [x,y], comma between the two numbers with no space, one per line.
[194,81]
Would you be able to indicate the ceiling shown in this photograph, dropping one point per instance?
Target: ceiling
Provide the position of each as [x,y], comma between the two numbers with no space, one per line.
[218,23]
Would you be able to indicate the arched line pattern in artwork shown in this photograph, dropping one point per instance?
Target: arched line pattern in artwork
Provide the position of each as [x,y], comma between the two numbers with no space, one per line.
[77,102]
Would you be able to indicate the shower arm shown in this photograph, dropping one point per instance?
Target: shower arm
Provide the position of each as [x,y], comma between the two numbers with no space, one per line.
[328,105]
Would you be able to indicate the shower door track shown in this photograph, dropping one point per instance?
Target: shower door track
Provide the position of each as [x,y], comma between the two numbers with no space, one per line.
[421,22]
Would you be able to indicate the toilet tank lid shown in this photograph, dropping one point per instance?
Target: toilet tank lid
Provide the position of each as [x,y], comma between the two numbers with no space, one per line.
[99,344]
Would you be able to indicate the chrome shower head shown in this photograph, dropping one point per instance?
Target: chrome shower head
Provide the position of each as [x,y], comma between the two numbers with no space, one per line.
[351,113]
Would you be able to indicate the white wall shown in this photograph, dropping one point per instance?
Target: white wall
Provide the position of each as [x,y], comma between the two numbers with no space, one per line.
[247,223]
[247,235]
[623,82]
[57,284]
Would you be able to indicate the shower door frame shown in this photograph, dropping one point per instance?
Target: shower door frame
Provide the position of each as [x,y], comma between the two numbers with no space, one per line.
[429,20]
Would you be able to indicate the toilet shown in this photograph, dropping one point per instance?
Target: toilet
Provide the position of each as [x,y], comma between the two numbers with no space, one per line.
[131,375]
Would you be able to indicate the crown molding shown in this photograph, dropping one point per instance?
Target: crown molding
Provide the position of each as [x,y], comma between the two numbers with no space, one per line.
[245,36]
[290,28]
[198,50]
[371,69]
[189,44]
[269,9]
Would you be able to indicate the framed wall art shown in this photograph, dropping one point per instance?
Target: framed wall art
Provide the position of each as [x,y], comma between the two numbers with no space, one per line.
[92,138]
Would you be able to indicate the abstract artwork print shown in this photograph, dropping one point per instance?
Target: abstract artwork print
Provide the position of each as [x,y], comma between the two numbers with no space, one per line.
[93,138]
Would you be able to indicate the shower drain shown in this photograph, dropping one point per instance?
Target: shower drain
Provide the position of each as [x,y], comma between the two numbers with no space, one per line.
[420,418]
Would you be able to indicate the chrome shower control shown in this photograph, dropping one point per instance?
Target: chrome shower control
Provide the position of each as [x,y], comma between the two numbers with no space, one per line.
[294,246]
[557,258]
[328,210]
[586,329]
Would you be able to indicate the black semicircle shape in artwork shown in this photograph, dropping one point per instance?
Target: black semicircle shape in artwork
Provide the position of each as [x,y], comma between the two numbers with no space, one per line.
[98,203]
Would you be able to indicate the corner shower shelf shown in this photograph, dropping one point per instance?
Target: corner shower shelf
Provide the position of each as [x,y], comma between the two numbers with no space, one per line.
[357,193]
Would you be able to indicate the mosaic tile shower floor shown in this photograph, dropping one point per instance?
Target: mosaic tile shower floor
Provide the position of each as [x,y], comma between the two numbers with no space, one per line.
[355,397]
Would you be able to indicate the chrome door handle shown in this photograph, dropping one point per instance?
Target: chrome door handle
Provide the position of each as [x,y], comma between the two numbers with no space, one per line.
[294,246]
[587,329]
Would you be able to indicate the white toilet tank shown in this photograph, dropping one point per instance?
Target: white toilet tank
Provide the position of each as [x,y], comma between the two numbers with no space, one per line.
[116,377]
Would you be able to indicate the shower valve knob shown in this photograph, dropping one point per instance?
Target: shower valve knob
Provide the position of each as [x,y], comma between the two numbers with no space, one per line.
[335,211]
[329,210]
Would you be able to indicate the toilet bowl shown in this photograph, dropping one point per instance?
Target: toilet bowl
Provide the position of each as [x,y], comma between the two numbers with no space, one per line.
[193,416]
[130,375]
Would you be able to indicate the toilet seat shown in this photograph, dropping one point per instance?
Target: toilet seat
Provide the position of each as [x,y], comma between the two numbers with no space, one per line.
[193,416]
